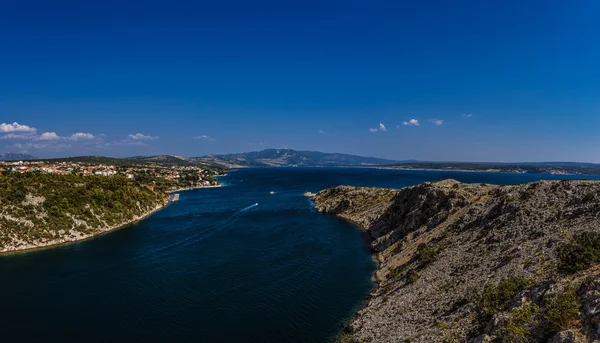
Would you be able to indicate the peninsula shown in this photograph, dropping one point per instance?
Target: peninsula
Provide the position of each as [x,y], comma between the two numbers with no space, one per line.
[478,263]
[40,210]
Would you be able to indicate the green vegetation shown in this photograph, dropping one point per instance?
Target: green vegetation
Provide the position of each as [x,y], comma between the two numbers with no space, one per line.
[426,255]
[448,332]
[580,253]
[562,310]
[516,329]
[41,207]
[496,297]
[412,276]
[396,272]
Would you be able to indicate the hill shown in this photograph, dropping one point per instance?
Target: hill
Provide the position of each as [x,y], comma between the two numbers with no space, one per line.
[289,157]
[162,159]
[159,160]
[9,156]
[478,263]
[41,210]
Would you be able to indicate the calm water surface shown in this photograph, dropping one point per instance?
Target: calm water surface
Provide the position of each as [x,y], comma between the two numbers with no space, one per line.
[213,267]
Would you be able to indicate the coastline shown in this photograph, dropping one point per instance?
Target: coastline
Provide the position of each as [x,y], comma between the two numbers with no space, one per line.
[192,188]
[28,247]
[375,276]
[415,295]
[478,171]
[80,238]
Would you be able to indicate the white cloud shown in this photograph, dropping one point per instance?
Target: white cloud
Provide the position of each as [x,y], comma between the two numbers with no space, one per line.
[16,127]
[381,127]
[141,137]
[437,122]
[412,122]
[49,136]
[204,138]
[81,136]
[321,131]
[467,115]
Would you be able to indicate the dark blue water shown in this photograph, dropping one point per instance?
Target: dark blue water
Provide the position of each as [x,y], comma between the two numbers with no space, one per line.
[211,267]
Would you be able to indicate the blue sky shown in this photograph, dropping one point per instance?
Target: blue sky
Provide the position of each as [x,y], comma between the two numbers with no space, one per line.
[486,80]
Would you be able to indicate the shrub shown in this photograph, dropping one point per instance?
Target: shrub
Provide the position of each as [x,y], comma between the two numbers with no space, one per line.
[516,324]
[496,297]
[562,309]
[412,276]
[580,253]
[426,256]
[395,272]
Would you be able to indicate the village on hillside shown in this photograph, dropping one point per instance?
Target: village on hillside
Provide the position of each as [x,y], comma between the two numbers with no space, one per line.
[165,177]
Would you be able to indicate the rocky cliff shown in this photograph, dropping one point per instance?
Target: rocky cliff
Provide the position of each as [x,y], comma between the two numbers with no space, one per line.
[478,263]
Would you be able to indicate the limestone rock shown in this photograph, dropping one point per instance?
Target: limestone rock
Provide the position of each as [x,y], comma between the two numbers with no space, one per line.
[440,243]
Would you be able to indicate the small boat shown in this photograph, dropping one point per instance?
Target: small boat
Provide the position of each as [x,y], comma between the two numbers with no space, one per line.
[271,192]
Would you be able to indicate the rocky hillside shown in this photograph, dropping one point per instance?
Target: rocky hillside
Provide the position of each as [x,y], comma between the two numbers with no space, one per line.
[478,263]
[39,210]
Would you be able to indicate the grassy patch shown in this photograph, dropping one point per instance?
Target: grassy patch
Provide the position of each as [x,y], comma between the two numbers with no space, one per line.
[580,253]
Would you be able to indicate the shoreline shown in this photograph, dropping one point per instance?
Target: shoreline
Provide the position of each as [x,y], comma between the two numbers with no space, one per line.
[57,243]
[376,257]
[192,188]
[478,171]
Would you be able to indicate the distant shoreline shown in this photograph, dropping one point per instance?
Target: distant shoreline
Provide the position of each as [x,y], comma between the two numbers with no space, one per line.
[193,188]
[477,171]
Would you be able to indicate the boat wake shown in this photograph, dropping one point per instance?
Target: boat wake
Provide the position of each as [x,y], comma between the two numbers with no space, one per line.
[204,233]
[183,242]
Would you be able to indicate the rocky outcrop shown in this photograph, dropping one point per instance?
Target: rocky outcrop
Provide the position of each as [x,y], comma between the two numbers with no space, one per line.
[474,262]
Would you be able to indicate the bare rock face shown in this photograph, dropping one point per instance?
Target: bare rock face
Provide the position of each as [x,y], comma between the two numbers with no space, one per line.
[442,245]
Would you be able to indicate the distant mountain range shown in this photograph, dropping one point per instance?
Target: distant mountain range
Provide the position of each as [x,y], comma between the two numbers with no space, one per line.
[289,157]
[9,156]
